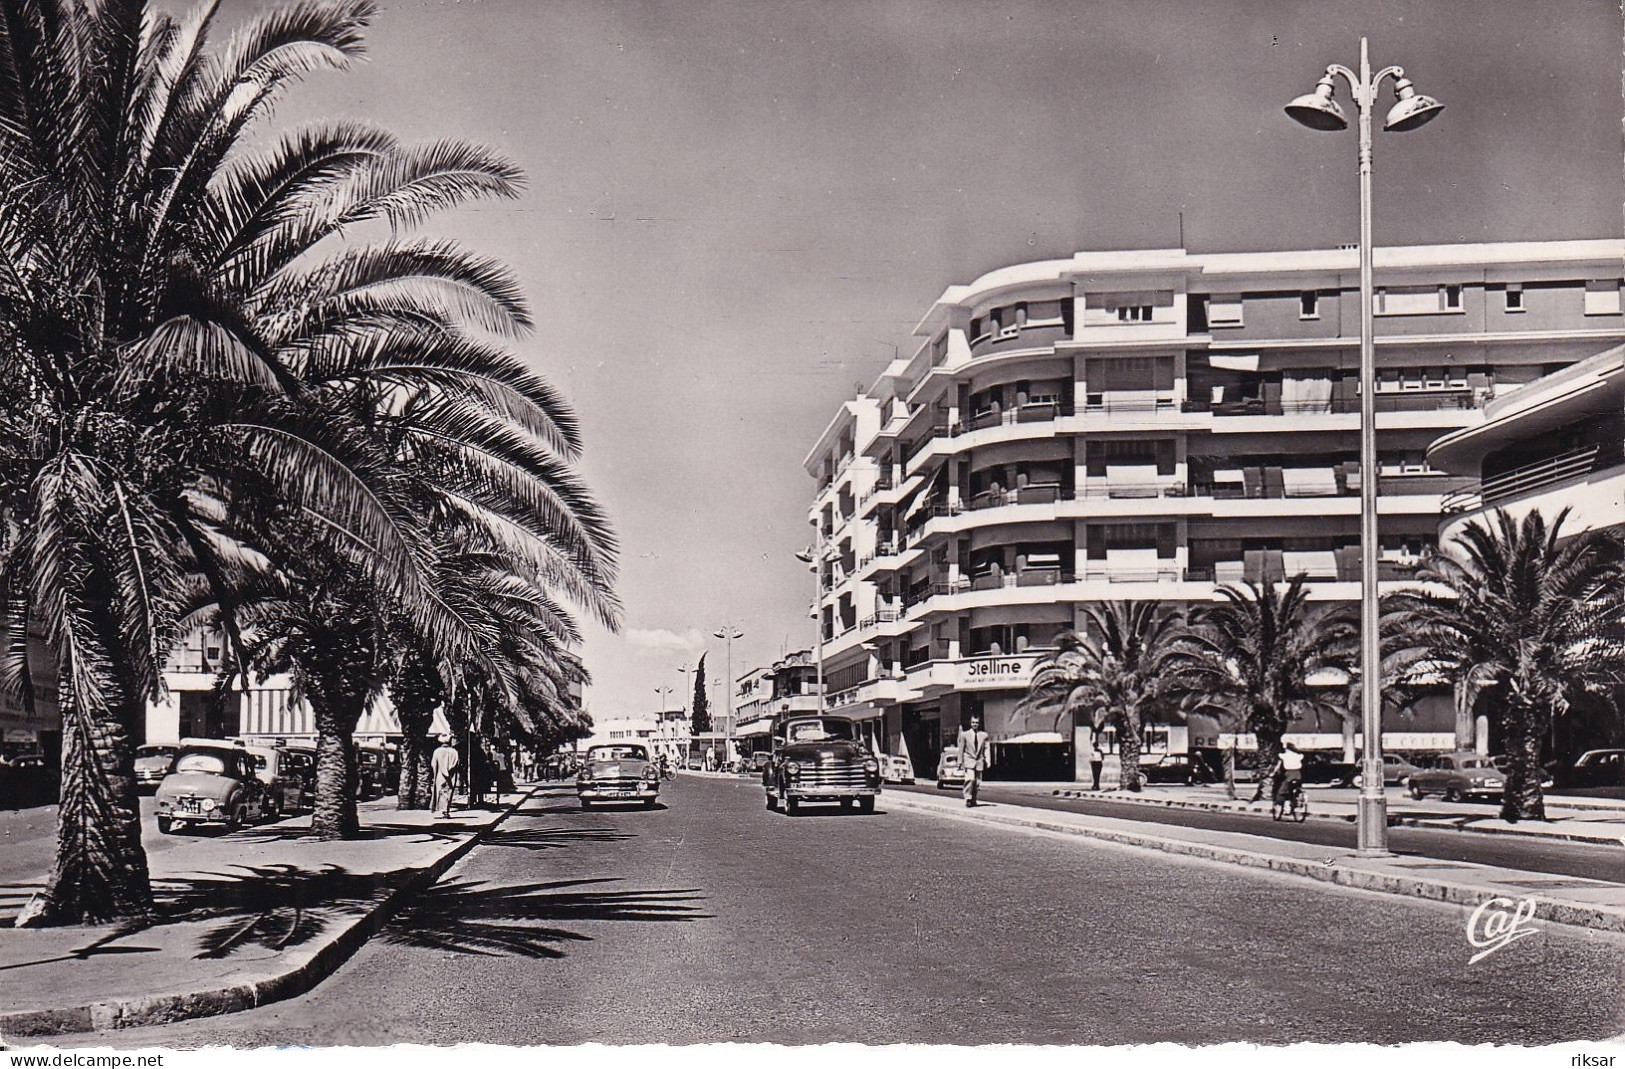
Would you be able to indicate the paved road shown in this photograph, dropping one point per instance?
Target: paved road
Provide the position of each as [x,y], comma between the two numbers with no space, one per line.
[714,920]
[1596,861]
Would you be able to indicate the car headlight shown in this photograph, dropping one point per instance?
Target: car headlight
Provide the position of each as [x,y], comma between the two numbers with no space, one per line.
[871,765]
[209,804]
[793,769]
[651,773]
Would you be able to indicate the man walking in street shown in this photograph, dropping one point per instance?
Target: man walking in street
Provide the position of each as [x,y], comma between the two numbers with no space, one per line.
[973,757]
[443,763]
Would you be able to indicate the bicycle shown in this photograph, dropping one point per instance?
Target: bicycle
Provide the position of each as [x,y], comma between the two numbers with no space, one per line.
[1292,805]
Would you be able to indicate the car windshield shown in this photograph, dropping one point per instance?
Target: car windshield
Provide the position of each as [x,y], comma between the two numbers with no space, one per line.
[201,761]
[1477,762]
[820,731]
[154,751]
[617,753]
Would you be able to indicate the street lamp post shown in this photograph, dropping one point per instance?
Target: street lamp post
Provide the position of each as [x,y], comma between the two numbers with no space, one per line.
[727,632]
[1318,111]
[813,557]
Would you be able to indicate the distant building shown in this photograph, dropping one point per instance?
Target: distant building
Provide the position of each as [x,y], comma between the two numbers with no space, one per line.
[1153,424]
[768,694]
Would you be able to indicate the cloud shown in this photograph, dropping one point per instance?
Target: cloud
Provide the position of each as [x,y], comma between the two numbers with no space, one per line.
[664,640]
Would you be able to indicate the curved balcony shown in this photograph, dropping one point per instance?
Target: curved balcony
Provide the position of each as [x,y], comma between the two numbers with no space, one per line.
[1012,338]
[1522,481]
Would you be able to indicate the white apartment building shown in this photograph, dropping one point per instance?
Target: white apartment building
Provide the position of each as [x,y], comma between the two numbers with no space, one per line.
[1151,424]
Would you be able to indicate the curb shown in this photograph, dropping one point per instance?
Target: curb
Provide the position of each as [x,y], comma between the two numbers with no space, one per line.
[1433,823]
[1600,918]
[185,1005]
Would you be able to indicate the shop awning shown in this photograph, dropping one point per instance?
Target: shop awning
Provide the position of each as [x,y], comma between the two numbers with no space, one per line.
[1052,737]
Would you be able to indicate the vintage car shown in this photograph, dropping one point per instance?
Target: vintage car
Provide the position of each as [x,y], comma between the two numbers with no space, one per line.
[212,782]
[820,759]
[1172,768]
[380,770]
[1594,768]
[1457,776]
[949,774]
[152,765]
[289,776]
[897,769]
[620,772]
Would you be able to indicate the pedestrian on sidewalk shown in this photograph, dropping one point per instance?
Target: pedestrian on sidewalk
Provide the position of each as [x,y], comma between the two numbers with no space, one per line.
[1097,761]
[973,757]
[443,763]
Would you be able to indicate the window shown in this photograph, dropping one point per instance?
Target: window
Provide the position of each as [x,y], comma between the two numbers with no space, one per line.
[1602,298]
[1514,297]
[1309,305]
[1224,310]
[1134,313]
[1416,300]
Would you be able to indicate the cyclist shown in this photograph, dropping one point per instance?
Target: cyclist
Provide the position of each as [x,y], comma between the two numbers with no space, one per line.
[1288,775]
[665,766]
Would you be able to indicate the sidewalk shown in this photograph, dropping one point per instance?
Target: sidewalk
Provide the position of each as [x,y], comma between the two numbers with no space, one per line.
[1593,820]
[1593,904]
[247,919]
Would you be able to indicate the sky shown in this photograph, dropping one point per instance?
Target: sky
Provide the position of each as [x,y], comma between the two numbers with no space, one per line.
[738,211]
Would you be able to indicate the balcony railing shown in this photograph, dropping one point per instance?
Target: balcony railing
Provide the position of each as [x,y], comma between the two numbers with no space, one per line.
[1524,480]
[1134,490]
[1105,405]
[1160,574]
[881,616]
[1037,494]
[1031,412]
[1026,577]
[1418,401]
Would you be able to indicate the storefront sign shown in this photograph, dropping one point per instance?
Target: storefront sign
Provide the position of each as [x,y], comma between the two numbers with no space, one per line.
[997,673]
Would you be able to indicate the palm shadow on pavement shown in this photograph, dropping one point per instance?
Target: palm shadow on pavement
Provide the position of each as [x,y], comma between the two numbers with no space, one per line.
[553,838]
[525,920]
[271,906]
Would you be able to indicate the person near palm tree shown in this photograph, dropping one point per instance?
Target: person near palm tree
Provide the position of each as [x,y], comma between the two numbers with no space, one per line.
[444,762]
[1287,771]
[974,747]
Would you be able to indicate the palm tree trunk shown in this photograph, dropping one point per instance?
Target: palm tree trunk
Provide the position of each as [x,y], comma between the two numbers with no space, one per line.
[1230,769]
[417,783]
[100,874]
[336,781]
[1269,751]
[1524,727]
[1128,745]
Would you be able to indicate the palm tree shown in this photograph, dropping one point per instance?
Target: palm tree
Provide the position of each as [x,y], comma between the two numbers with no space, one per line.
[1515,610]
[1253,652]
[167,301]
[1115,677]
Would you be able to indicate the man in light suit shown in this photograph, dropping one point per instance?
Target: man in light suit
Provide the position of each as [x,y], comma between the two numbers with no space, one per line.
[974,754]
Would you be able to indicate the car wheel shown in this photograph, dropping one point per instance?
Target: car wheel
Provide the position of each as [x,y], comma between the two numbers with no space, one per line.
[238,818]
[1417,792]
[792,806]
[941,786]
[585,804]
[866,804]
[1452,795]
[166,826]
[648,803]
[772,800]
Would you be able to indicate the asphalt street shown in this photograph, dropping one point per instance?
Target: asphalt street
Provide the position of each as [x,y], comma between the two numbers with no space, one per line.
[1588,860]
[711,919]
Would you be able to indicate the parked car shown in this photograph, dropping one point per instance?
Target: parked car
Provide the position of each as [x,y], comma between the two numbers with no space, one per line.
[211,782]
[1594,768]
[289,777]
[759,760]
[1172,768]
[1325,768]
[380,771]
[1397,771]
[24,779]
[897,769]
[821,759]
[621,772]
[152,765]
[1457,776]
[949,774]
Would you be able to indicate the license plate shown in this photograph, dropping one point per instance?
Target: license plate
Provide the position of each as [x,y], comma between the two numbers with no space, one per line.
[191,805]
[626,794]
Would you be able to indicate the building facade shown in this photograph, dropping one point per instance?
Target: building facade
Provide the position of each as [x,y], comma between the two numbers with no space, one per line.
[769,693]
[1153,424]
[1558,444]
